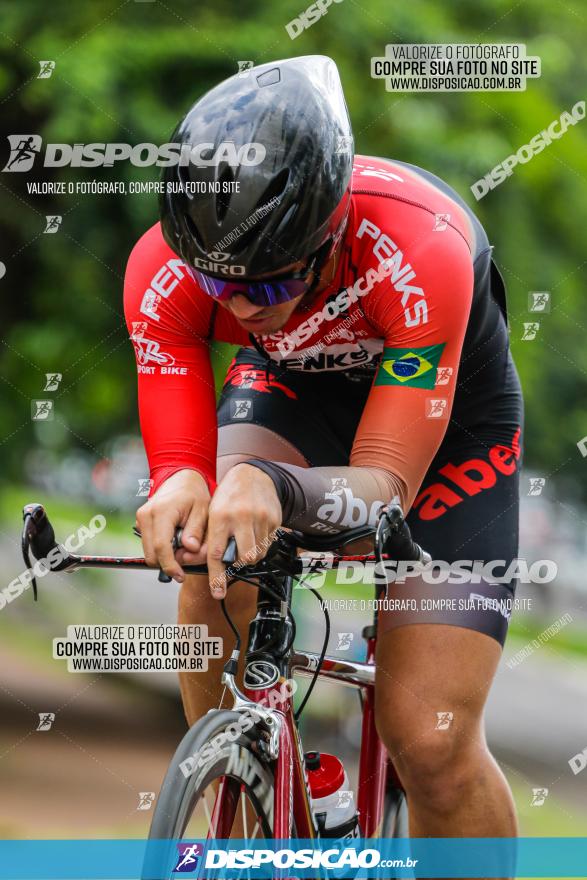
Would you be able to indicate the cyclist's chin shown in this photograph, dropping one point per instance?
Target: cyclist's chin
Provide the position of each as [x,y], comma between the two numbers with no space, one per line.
[264,325]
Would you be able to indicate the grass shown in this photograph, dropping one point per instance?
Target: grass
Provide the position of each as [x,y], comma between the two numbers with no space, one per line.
[570,640]
[555,818]
[65,515]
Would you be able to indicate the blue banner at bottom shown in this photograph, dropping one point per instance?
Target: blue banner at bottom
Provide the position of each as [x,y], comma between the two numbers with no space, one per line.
[409,858]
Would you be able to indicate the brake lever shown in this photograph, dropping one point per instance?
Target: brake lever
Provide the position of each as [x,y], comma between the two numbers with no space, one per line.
[36,530]
[25,543]
[231,553]
[392,520]
[281,554]
[176,545]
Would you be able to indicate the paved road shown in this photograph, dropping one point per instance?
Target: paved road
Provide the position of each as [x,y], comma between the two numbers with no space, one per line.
[537,719]
[84,776]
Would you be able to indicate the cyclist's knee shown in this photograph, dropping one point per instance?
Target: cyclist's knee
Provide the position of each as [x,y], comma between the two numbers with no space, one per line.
[441,776]
[436,754]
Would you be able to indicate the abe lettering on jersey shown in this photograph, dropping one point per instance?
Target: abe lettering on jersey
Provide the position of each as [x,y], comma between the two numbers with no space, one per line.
[343,510]
[471,477]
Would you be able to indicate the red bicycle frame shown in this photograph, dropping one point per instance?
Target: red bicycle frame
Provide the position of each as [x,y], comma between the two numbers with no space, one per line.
[292,804]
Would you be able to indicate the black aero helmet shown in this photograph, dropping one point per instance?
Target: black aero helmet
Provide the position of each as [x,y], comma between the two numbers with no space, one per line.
[268,181]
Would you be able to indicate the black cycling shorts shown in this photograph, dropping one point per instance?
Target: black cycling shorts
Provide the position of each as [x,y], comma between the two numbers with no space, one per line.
[467,507]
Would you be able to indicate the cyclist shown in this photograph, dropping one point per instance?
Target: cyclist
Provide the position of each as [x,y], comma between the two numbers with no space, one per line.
[374,364]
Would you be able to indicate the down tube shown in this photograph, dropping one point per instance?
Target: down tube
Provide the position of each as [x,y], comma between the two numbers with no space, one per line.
[291,800]
[373,765]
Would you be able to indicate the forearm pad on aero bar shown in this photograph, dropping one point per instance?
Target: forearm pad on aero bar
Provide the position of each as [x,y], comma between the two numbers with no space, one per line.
[330,499]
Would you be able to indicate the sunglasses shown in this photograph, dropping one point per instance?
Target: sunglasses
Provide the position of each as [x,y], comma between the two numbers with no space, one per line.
[260,293]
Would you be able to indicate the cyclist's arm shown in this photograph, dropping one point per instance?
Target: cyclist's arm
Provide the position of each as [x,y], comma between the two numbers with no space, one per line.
[398,434]
[168,320]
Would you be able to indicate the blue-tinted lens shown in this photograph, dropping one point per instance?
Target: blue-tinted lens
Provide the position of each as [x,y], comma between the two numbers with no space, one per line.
[261,293]
[265,293]
[212,286]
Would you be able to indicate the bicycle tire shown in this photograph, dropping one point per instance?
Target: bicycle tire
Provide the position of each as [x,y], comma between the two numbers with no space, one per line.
[180,794]
[394,825]
[395,814]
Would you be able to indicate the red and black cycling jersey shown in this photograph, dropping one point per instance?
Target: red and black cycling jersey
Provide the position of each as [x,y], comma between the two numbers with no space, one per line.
[417,308]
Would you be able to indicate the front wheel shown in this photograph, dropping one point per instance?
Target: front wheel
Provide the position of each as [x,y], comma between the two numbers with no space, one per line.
[217,786]
[395,813]
[395,823]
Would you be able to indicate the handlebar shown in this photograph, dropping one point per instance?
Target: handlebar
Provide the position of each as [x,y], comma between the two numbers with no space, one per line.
[392,541]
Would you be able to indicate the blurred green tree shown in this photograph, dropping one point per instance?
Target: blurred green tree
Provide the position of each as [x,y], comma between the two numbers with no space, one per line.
[127,72]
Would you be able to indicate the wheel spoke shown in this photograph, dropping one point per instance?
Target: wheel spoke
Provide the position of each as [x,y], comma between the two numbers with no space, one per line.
[244,809]
[208,814]
[245,823]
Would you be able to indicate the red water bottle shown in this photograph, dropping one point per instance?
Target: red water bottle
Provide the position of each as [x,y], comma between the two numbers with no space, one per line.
[333,802]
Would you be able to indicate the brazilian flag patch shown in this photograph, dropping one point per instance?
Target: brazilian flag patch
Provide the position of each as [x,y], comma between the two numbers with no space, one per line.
[416,367]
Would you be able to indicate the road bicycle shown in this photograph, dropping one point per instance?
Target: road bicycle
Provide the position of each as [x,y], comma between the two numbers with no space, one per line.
[247,772]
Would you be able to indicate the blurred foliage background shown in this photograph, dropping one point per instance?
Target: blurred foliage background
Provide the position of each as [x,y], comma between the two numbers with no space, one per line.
[128,72]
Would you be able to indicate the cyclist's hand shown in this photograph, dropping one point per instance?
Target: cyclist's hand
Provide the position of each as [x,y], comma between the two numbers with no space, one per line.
[182,500]
[246,507]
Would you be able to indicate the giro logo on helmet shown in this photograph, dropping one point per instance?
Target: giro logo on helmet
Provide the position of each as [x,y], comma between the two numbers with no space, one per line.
[216,267]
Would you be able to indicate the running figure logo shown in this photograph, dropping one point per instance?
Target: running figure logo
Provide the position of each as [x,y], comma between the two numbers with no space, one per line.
[536,485]
[146,800]
[441,221]
[244,67]
[47,68]
[539,301]
[338,485]
[187,857]
[436,408]
[443,376]
[311,568]
[42,410]
[52,381]
[530,332]
[138,329]
[46,720]
[53,223]
[539,795]
[444,720]
[344,799]
[23,150]
[344,144]
[242,409]
[344,641]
